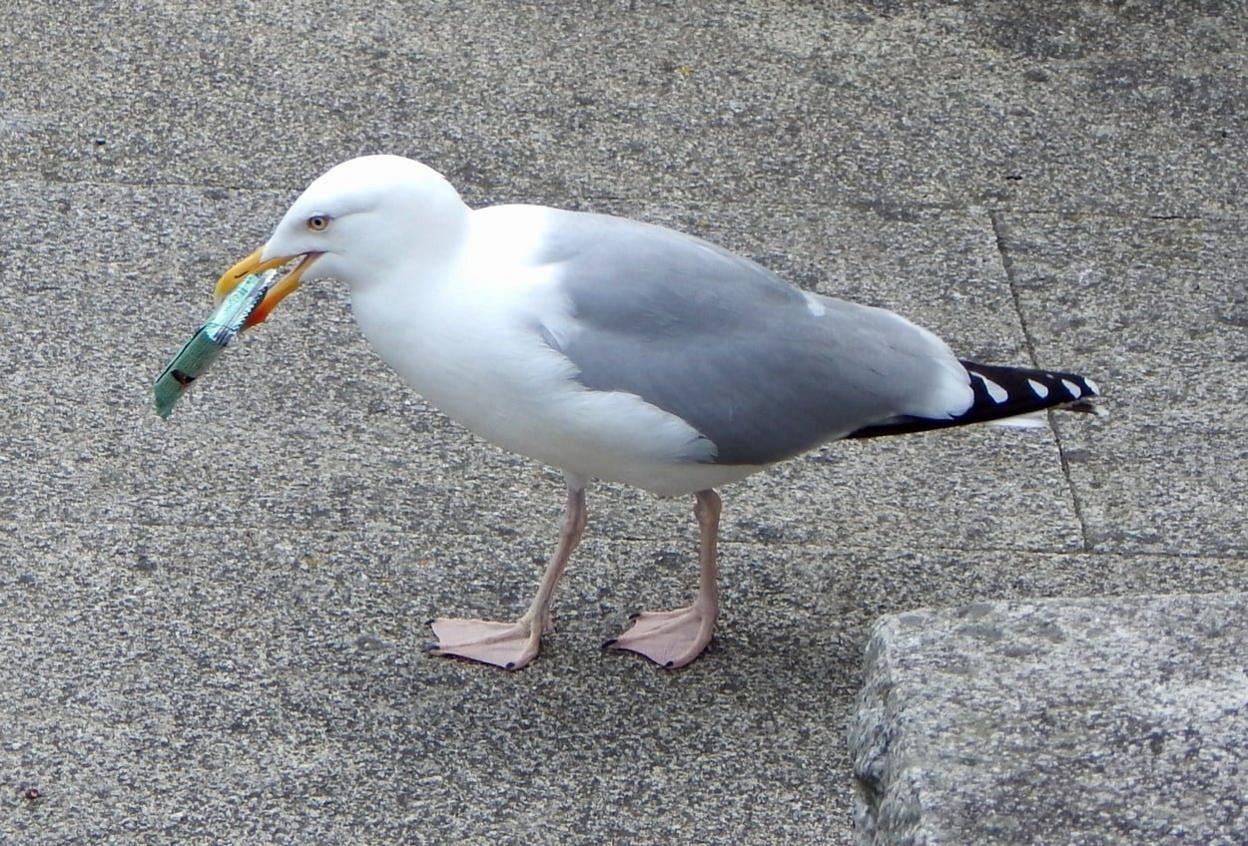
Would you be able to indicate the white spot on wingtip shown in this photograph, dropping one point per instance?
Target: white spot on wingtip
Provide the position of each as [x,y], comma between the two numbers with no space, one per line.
[815,307]
[998,393]
[1092,386]
[1072,389]
[1041,390]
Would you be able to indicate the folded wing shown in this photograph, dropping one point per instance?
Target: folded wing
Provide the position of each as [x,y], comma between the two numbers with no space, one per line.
[762,369]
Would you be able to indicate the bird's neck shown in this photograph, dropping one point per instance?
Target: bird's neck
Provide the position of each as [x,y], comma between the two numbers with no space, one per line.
[418,253]
[397,297]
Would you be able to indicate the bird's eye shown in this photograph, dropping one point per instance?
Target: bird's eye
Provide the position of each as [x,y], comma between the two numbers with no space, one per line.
[318,222]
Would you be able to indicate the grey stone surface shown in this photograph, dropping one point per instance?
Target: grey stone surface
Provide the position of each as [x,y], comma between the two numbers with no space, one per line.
[1069,106]
[210,628]
[1159,310]
[215,684]
[1086,721]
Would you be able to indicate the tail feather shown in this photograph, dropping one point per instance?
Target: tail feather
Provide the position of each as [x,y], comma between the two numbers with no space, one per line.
[1000,392]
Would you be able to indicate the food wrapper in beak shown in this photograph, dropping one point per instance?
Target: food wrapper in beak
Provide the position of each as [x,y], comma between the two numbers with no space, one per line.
[198,354]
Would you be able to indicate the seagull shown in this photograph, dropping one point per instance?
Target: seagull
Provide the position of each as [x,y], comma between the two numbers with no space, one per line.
[621,351]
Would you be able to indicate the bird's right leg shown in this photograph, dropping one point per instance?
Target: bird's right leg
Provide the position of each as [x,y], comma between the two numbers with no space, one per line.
[512,645]
[672,639]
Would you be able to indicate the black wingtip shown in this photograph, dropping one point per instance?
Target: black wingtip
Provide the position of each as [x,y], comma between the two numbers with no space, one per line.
[1000,392]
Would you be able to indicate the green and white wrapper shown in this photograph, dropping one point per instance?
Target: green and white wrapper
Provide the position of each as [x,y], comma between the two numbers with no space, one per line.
[198,354]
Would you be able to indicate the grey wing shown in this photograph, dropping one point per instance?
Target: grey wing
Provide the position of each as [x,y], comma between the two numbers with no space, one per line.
[760,368]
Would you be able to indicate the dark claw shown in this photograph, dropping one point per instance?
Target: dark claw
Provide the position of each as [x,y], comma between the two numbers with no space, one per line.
[430,622]
[609,643]
[668,665]
[634,615]
[510,665]
[432,646]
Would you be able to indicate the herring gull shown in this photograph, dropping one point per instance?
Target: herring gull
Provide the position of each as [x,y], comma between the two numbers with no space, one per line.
[618,350]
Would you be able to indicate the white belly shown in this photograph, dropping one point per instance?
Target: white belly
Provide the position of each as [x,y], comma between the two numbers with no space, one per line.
[493,373]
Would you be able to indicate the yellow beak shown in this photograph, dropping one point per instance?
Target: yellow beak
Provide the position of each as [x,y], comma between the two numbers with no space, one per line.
[284,286]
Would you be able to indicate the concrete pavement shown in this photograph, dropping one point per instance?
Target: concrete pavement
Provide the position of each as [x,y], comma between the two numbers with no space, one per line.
[210,628]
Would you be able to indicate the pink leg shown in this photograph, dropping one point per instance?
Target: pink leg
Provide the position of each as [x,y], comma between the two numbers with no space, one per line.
[512,645]
[672,639]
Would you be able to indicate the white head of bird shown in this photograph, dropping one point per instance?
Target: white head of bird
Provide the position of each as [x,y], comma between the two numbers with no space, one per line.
[353,222]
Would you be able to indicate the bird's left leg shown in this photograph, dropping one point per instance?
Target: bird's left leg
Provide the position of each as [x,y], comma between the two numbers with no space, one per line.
[512,645]
[672,639]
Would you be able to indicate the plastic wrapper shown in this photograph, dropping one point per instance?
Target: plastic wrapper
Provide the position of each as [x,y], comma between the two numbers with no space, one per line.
[198,354]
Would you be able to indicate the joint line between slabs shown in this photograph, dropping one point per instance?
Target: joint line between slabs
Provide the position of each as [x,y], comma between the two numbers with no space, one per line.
[1007,267]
